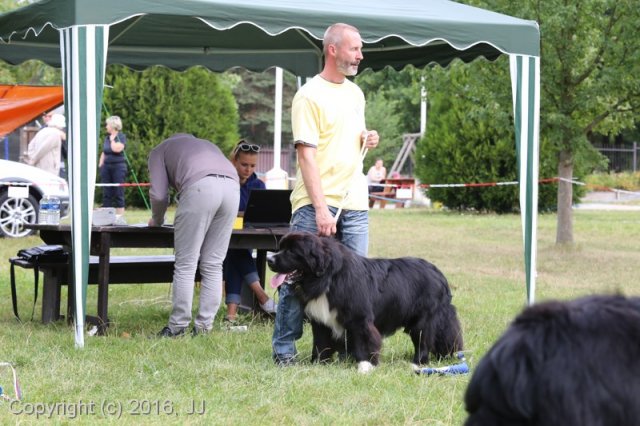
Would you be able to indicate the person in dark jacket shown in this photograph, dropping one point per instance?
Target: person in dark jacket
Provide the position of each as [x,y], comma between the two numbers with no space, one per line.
[113,165]
[239,265]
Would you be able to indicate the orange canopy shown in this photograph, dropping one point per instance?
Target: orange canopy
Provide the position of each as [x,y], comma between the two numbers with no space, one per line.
[22,104]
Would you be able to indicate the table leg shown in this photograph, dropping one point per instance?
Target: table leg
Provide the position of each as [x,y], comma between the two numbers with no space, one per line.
[51,295]
[103,281]
[71,292]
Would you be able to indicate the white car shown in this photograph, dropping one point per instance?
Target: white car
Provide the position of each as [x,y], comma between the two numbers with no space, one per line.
[21,188]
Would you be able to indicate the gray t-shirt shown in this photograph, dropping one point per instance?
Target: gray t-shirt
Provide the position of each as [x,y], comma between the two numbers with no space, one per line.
[178,162]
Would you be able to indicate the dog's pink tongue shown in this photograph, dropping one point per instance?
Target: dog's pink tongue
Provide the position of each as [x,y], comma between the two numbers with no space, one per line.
[277,280]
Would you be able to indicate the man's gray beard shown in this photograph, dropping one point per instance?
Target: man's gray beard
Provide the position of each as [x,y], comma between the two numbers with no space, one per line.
[347,71]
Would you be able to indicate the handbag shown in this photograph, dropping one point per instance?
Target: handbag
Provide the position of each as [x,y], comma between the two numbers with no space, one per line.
[34,257]
[44,254]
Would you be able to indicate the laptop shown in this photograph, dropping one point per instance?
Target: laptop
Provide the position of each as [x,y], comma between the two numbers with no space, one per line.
[268,208]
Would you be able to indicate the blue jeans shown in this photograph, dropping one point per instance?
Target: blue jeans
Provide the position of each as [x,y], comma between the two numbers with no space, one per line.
[353,232]
[238,268]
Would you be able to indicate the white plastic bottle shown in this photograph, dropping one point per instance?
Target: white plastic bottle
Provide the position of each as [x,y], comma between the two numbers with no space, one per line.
[54,211]
[43,212]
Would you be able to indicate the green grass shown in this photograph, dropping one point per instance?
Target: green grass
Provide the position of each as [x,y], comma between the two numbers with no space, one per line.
[232,373]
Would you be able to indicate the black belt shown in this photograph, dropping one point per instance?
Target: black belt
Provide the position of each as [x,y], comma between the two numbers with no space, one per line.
[220,176]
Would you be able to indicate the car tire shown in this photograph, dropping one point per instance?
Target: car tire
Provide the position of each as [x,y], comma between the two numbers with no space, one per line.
[15,212]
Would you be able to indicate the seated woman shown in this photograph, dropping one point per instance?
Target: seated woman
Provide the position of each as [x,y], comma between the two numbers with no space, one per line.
[239,266]
[377,173]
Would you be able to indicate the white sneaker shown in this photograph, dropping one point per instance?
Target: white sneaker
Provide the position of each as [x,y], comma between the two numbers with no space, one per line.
[269,306]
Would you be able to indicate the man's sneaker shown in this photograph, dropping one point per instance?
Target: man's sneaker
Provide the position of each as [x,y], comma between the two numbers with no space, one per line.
[195,331]
[269,306]
[166,332]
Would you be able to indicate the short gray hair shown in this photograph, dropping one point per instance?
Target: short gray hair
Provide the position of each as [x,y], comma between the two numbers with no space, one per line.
[333,34]
[115,122]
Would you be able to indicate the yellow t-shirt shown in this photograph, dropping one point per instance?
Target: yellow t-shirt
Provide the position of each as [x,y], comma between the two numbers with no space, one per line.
[330,117]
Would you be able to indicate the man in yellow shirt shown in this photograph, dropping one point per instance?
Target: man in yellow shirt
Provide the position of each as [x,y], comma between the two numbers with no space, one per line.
[329,132]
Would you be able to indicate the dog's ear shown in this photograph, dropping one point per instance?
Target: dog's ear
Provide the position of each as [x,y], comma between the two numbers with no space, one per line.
[315,254]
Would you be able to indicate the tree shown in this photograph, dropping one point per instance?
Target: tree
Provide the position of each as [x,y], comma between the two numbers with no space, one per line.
[255,94]
[470,138]
[393,105]
[590,60]
[158,102]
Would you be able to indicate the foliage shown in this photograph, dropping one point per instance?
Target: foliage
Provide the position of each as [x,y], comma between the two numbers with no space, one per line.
[470,139]
[627,181]
[590,60]
[158,102]
[481,255]
[393,100]
[380,117]
[31,71]
[255,94]
[8,5]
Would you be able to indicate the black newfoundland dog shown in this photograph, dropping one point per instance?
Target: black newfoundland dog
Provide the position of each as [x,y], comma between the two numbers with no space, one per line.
[562,363]
[353,301]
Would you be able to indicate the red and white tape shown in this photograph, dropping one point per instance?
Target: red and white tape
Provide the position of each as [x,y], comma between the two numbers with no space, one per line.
[422,185]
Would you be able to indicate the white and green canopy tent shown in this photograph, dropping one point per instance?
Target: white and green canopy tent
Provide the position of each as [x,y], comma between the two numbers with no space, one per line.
[82,36]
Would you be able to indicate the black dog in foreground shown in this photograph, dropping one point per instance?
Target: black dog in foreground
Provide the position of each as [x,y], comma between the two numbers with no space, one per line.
[562,363]
[353,301]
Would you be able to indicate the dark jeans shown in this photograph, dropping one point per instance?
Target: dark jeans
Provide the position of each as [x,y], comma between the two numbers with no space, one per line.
[238,268]
[113,196]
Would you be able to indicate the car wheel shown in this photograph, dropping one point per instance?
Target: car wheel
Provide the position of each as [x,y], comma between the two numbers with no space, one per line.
[15,213]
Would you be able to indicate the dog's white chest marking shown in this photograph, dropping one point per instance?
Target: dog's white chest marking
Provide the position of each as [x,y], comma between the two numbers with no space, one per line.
[319,310]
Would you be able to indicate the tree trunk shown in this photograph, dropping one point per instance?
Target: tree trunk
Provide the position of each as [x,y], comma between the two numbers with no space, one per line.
[564,231]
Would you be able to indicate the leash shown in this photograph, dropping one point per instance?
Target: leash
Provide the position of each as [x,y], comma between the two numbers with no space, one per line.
[16,385]
[363,154]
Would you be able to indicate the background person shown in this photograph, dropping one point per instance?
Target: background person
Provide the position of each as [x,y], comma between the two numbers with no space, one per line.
[208,193]
[239,265]
[376,174]
[44,150]
[329,130]
[113,165]
[45,118]
[63,145]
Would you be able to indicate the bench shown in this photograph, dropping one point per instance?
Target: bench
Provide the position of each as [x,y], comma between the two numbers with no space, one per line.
[398,191]
[383,197]
[122,270]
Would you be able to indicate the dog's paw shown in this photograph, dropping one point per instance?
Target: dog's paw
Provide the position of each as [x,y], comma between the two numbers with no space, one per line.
[365,367]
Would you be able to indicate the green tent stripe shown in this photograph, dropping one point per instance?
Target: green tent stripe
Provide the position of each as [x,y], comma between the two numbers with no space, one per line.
[525,85]
[532,109]
[529,180]
[84,59]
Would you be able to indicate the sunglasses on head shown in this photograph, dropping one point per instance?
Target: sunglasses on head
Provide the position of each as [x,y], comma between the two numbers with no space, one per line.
[246,147]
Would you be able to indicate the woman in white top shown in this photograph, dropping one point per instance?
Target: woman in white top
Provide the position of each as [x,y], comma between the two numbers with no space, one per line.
[376,174]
